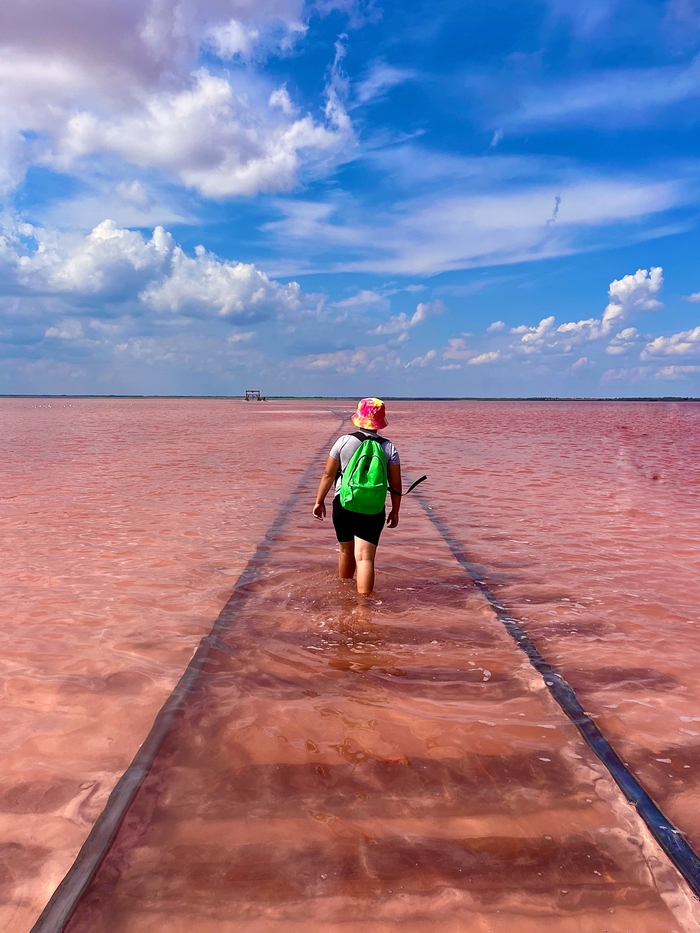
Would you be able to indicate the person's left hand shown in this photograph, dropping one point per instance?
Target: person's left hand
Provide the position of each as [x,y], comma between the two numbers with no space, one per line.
[320,511]
[392,518]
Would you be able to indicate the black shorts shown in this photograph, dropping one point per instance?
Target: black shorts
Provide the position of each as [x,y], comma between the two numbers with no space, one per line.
[349,525]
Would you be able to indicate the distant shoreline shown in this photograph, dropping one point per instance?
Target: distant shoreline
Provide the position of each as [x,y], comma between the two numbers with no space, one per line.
[388,398]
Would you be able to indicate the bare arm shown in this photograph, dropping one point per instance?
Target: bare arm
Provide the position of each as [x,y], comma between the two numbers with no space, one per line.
[394,476]
[327,480]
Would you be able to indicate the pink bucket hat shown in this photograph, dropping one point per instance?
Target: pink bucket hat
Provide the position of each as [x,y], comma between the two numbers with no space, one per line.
[370,414]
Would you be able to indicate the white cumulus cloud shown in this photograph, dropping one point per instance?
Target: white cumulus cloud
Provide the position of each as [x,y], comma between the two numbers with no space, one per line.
[532,339]
[206,284]
[69,329]
[233,38]
[399,323]
[628,374]
[581,363]
[109,261]
[457,349]
[631,294]
[121,265]
[212,138]
[676,372]
[622,342]
[350,361]
[422,361]
[628,296]
[121,77]
[490,357]
[685,343]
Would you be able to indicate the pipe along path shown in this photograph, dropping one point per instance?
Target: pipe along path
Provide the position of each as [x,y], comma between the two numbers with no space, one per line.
[68,894]
[669,838]
[65,899]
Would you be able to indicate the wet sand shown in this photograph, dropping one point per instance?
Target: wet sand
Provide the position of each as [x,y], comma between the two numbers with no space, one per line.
[404,748]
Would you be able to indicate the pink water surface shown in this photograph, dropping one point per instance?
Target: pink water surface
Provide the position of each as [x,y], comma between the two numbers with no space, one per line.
[349,765]
[585,518]
[123,526]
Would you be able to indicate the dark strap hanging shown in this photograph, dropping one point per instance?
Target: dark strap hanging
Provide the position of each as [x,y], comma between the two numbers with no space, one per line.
[410,488]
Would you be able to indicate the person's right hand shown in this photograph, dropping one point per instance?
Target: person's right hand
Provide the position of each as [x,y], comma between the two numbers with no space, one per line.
[320,511]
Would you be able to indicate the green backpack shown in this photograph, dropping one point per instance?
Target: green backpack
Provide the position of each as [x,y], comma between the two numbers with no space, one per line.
[364,483]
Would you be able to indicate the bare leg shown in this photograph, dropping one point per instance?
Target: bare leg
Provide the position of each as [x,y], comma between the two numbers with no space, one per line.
[364,558]
[346,560]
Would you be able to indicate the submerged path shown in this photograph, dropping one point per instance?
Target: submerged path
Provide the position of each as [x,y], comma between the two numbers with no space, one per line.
[375,766]
[124,525]
[669,837]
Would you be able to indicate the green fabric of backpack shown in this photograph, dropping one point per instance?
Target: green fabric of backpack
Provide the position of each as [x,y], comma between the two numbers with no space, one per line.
[364,483]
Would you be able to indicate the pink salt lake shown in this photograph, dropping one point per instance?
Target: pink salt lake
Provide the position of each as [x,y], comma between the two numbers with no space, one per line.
[346,765]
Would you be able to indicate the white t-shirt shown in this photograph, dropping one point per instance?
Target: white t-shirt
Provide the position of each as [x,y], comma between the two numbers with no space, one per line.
[345,447]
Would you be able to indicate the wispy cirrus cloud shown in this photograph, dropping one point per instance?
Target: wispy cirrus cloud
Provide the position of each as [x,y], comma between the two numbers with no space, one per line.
[379,78]
[435,233]
[584,19]
[626,96]
[364,298]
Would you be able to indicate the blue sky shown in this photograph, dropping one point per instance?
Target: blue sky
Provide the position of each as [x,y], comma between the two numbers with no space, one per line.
[345,197]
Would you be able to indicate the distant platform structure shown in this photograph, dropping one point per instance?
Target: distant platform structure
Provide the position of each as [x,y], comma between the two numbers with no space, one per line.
[253,395]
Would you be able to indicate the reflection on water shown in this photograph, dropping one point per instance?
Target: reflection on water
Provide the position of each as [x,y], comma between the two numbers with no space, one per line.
[353,765]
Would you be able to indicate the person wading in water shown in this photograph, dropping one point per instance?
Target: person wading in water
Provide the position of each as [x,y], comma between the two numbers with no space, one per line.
[362,467]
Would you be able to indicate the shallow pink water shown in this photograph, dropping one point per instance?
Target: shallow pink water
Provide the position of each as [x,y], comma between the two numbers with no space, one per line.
[125,526]
[586,520]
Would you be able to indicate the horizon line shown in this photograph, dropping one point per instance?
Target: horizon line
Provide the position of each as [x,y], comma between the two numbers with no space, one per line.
[389,398]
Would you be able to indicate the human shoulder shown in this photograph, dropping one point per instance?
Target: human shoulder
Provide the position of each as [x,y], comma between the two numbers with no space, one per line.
[338,445]
[392,454]
[389,448]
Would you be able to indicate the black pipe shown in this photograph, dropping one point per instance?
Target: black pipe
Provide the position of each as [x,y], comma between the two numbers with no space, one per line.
[65,899]
[666,834]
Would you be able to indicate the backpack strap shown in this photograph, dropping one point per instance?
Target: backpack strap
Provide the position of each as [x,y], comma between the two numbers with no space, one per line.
[362,437]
